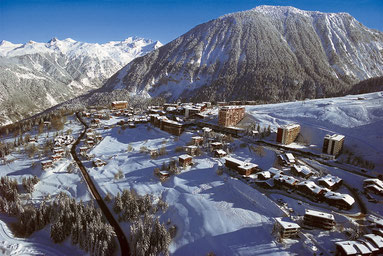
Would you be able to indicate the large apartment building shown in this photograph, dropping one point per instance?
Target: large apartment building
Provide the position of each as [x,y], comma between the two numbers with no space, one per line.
[333,144]
[319,219]
[230,115]
[288,133]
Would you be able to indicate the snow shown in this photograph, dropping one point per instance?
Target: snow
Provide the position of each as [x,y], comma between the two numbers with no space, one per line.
[360,121]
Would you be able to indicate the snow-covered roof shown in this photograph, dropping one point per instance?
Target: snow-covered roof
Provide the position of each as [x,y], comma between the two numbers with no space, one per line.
[338,196]
[46,162]
[274,171]
[232,107]
[330,180]
[247,166]
[335,137]
[290,126]
[220,151]
[164,173]
[290,157]
[191,147]
[377,188]
[303,169]
[216,143]
[234,160]
[185,156]
[265,174]
[171,122]
[206,129]
[377,182]
[197,137]
[377,240]
[311,185]
[119,102]
[286,223]
[353,247]
[322,215]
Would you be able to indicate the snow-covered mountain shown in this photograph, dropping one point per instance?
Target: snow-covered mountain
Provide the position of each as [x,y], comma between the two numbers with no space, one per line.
[268,53]
[35,76]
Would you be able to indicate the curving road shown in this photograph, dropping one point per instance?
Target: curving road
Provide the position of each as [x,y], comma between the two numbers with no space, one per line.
[109,216]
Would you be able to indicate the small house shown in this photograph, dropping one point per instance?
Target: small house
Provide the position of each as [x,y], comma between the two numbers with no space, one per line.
[219,153]
[331,182]
[90,143]
[83,150]
[98,162]
[56,157]
[342,201]
[216,145]
[197,140]
[302,171]
[164,174]
[309,189]
[287,228]
[46,164]
[191,150]
[185,160]
[265,175]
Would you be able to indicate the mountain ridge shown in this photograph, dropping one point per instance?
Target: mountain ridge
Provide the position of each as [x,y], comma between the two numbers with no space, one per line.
[35,76]
[313,54]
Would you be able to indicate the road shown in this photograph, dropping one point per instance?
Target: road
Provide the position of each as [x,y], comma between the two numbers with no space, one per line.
[92,188]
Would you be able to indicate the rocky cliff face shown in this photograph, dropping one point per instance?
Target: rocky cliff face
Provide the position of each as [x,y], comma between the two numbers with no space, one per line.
[35,76]
[268,54]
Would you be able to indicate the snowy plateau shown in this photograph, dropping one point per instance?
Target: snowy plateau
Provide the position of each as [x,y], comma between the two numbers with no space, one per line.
[221,213]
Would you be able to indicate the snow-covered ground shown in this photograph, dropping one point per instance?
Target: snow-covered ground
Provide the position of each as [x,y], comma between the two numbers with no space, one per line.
[52,181]
[358,117]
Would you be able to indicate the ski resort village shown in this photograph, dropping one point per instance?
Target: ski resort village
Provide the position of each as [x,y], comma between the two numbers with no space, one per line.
[196,179]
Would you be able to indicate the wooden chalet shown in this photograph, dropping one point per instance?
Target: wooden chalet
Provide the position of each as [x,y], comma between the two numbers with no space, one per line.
[191,150]
[98,162]
[241,167]
[185,160]
[219,153]
[56,157]
[46,164]
[302,171]
[216,145]
[331,182]
[197,140]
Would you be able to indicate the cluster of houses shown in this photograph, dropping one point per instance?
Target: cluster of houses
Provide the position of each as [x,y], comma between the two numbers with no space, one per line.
[369,244]
[59,145]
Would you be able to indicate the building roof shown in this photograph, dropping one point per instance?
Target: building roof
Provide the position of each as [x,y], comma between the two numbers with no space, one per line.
[231,107]
[216,143]
[275,171]
[353,247]
[286,179]
[311,186]
[185,156]
[164,173]
[330,180]
[265,174]
[377,182]
[290,157]
[336,137]
[46,162]
[377,240]
[197,137]
[220,151]
[290,126]
[120,102]
[234,160]
[338,196]
[247,166]
[322,215]
[286,223]
[303,169]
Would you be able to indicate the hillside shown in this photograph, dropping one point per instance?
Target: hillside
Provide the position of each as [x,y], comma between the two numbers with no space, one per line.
[35,76]
[266,54]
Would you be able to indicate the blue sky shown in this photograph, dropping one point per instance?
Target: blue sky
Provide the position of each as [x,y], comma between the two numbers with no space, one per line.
[99,21]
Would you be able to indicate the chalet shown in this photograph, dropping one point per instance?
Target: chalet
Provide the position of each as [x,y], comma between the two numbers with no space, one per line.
[190,111]
[191,150]
[274,171]
[216,145]
[58,151]
[197,140]
[185,160]
[373,185]
[342,201]
[268,184]
[83,150]
[56,157]
[90,135]
[96,121]
[351,248]
[331,182]
[132,125]
[219,153]
[287,228]
[285,181]
[94,125]
[319,219]
[98,162]
[32,140]
[311,190]
[119,104]
[90,143]
[85,114]
[288,133]
[206,131]
[265,175]
[286,159]
[164,174]
[46,164]
[241,167]
[376,240]
[171,127]
[106,127]
[302,171]
[98,137]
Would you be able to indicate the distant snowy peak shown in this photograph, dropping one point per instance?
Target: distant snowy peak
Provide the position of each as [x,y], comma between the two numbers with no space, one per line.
[269,53]
[58,70]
